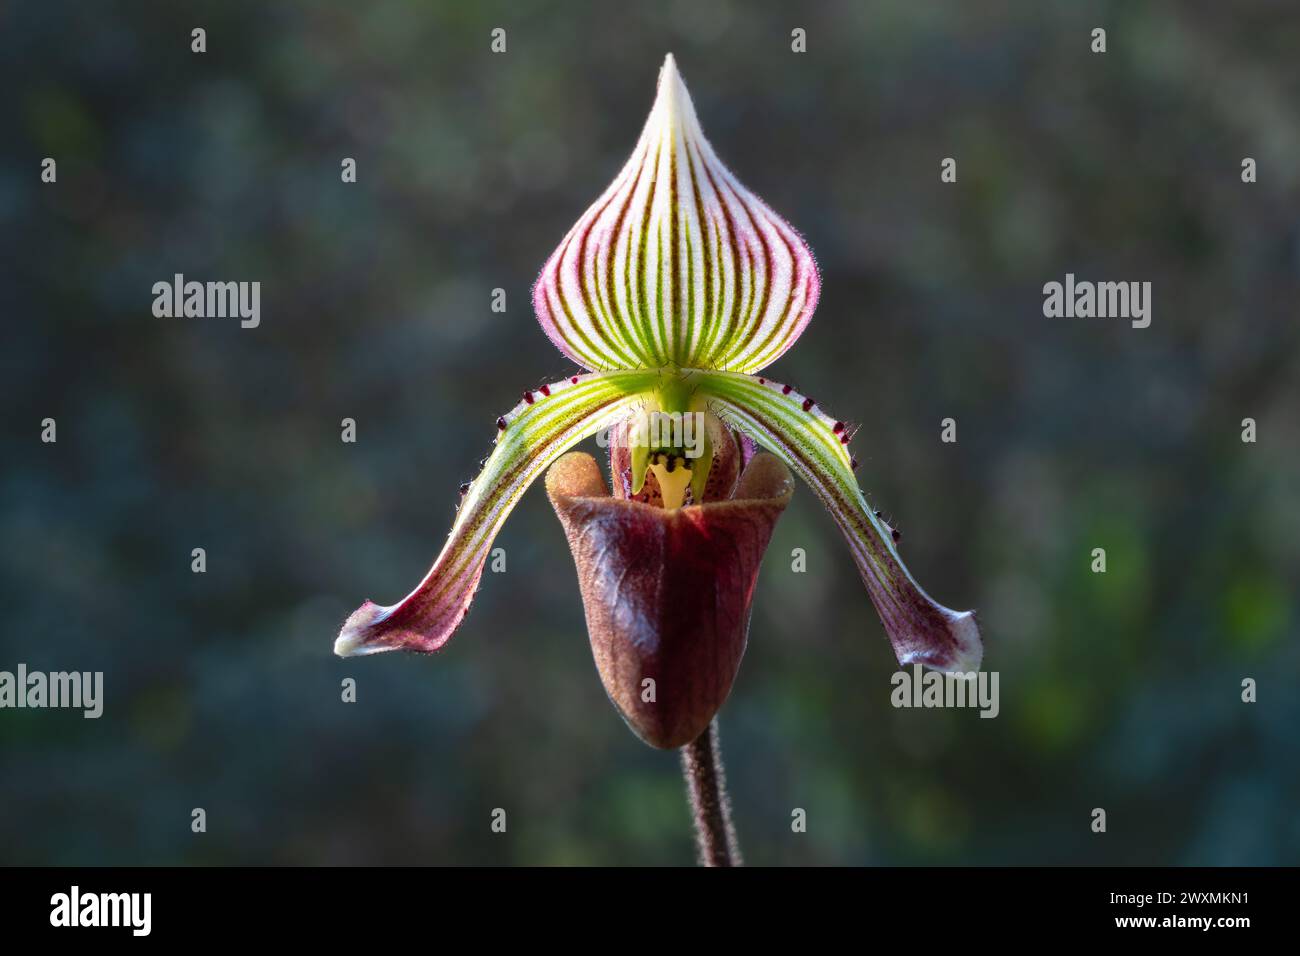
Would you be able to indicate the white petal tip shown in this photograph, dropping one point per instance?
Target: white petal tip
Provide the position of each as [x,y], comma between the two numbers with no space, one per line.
[347,645]
[970,649]
[672,95]
[351,641]
[353,644]
[950,647]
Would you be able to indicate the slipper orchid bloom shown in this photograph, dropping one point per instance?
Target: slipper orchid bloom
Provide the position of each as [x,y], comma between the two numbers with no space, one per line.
[672,291]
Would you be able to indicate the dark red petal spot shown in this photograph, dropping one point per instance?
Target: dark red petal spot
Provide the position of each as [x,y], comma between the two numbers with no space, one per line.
[785,389]
[528,397]
[839,427]
[762,381]
[546,390]
[574,380]
[501,424]
[808,403]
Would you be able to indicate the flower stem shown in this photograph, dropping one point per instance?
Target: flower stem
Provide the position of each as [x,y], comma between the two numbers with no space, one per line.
[706,784]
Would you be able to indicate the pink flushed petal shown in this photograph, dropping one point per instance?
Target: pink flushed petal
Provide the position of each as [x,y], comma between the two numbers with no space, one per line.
[921,630]
[423,622]
[677,262]
[814,445]
[542,427]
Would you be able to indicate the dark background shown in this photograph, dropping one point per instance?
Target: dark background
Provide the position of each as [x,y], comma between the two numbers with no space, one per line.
[1119,690]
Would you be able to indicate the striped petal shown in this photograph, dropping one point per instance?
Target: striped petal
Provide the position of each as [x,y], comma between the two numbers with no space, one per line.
[677,262]
[539,429]
[814,445]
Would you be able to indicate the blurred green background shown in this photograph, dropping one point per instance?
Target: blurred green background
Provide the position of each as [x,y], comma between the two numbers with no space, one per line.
[1119,690]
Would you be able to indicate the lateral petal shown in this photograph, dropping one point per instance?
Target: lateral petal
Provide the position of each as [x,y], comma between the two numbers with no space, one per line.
[814,445]
[540,428]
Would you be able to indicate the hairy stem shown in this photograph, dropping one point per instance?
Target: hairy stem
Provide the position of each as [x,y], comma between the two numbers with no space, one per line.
[706,784]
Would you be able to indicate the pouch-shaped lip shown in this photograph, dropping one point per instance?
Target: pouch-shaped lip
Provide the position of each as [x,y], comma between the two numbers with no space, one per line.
[667,593]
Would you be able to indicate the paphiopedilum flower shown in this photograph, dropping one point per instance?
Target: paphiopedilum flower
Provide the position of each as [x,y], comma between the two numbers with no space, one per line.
[672,291]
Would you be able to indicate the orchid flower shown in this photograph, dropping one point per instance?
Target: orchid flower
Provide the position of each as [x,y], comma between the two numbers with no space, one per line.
[672,292]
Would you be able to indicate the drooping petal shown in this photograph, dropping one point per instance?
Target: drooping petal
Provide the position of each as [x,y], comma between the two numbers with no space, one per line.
[540,428]
[677,262]
[814,445]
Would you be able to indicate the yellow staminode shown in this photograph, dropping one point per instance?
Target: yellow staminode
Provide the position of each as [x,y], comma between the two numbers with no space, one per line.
[673,472]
